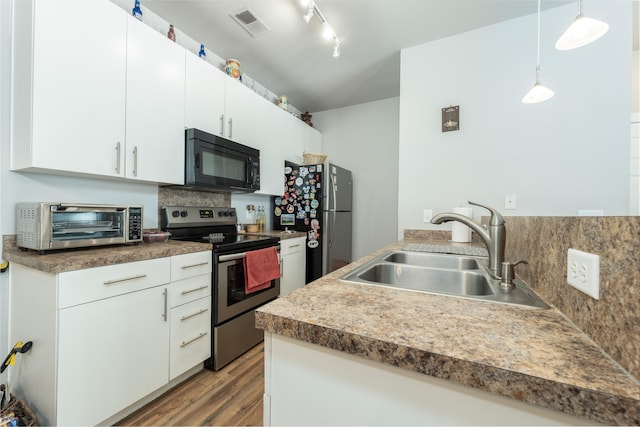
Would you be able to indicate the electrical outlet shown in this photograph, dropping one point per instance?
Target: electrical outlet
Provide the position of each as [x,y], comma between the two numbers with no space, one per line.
[427,214]
[510,201]
[583,272]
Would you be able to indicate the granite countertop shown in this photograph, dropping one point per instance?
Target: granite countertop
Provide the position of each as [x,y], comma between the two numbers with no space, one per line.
[59,261]
[532,355]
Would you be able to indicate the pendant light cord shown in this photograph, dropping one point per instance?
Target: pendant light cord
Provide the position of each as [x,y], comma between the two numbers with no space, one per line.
[538,57]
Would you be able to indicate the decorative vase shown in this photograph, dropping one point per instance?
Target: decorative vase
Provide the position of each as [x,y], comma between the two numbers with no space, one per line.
[232,68]
[283,102]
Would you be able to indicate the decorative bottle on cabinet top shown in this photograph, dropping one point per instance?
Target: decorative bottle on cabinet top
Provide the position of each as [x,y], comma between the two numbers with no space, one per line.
[171,34]
[202,54]
[136,11]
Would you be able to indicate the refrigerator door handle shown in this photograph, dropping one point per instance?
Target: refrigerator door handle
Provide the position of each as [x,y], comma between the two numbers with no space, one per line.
[333,191]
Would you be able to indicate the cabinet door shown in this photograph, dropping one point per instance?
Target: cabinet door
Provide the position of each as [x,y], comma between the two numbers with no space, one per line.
[78,68]
[239,112]
[111,353]
[155,106]
[204,95]
[270,140]
[293,253]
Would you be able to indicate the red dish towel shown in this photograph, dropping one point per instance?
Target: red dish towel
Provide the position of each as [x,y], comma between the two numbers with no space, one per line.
[260,268]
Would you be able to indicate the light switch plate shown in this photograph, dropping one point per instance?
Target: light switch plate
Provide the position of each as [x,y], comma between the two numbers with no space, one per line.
[583,272]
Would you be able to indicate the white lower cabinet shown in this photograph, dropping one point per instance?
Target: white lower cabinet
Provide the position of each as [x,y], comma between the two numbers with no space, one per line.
[111,353]
[294,262]
[107,337]
[190,312]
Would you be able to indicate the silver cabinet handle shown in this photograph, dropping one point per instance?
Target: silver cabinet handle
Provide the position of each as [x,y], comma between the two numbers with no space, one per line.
[222,125]
[135,161]
[118,158]
[189,316]
[231,128]
[166,304]
[126,279]
[194,290]
[195,265]
[186,343]
[294,246]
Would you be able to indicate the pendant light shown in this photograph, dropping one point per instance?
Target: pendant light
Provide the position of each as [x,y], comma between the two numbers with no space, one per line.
[538,92]
[581,32]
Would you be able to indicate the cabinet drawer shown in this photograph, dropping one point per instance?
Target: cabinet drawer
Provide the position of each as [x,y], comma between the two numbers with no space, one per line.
[288,246]
[191,289]
[190,336]
[81,286]
[190,265]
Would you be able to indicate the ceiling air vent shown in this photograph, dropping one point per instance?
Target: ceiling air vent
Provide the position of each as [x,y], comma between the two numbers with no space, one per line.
[250,21]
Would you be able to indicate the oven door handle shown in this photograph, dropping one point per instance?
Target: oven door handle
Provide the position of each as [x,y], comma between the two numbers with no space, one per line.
[233,257]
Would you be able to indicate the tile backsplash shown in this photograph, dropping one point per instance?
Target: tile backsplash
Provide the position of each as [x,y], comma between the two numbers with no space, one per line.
[613,321]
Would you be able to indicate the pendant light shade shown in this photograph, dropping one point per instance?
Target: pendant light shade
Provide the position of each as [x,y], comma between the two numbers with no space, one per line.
[581,32]
[538,92]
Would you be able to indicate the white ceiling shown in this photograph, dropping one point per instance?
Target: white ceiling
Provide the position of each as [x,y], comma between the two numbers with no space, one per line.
[293,59]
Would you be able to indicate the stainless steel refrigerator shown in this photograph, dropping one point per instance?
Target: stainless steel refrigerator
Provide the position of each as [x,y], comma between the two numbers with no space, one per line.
[317,201]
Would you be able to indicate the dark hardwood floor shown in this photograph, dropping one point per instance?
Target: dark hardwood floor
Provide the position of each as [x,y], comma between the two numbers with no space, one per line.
[229,397]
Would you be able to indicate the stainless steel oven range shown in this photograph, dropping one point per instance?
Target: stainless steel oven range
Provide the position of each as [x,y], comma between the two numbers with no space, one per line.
[233,319]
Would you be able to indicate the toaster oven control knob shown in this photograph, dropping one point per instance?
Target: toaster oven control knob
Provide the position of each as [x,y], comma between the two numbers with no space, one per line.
[175,214]
[183,214]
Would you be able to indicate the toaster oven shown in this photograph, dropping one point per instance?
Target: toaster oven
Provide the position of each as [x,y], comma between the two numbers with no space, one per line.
[48,226]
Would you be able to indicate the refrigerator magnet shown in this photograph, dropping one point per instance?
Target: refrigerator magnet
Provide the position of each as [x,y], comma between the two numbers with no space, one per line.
[287,219]
[277,211]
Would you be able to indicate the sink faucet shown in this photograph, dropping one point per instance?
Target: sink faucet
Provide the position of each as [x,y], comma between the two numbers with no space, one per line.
[494,238]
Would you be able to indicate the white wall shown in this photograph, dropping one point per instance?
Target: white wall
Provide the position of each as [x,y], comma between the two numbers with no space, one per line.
[566,154]
[364,139]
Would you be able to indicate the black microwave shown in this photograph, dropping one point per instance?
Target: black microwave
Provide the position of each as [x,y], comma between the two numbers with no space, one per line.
[216,163]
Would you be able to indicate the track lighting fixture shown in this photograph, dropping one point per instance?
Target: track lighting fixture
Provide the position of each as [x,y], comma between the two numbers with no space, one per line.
[538,92]
[581,32]
[312,10]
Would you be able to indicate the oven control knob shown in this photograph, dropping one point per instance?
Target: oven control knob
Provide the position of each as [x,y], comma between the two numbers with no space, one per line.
[220,213]
[183,214]
[175,214]
[231,213]
[226,213]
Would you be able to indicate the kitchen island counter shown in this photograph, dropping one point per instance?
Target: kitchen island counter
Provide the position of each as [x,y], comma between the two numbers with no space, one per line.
[59,261]
[530,355]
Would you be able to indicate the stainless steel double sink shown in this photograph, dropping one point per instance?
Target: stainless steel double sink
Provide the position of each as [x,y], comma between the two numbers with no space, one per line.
[447,274]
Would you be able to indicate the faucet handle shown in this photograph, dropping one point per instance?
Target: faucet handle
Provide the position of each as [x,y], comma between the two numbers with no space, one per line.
[508,273]
[496,218]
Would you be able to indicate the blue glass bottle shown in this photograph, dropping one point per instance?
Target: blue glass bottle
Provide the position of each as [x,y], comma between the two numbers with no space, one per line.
[202,54]
[136,11]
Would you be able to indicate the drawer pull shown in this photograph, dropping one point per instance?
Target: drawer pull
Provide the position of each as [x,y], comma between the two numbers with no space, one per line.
[189,316]
[186,343]
[126,279]
[294,246]
[184,267]
[194,290]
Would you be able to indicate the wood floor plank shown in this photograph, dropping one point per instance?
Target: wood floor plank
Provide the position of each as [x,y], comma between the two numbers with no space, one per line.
[229,397]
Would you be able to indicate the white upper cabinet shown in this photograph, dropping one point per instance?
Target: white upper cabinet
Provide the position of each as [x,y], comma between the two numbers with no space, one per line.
[270,139]
[95,93]
[218,104]
[69,86]
[301,138]
[239,112]
[155,106]
[204,96]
